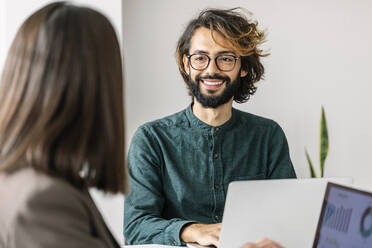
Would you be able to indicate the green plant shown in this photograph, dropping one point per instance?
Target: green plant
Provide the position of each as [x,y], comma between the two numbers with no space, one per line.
[323,146]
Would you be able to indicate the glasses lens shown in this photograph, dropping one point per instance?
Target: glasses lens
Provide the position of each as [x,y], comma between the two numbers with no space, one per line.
[225,62]
[199,61]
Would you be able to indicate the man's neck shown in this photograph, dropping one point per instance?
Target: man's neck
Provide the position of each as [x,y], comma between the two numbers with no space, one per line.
[213,116]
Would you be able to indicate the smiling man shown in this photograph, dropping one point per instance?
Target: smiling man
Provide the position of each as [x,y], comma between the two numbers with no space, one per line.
[180,166]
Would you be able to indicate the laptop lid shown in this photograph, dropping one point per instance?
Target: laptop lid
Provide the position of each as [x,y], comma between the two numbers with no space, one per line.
[346,218]
[285,210]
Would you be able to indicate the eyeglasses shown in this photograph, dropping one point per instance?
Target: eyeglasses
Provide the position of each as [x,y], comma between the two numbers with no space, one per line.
[200,62]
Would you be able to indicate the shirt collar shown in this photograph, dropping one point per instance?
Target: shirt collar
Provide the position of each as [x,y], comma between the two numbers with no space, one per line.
[196,122]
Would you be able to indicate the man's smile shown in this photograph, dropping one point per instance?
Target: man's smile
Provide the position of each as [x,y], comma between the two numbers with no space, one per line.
[212,84]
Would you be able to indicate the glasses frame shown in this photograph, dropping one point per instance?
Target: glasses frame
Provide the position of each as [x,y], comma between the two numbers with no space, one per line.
[215,61]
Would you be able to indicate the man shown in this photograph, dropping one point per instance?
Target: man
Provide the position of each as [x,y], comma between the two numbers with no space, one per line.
[180,166]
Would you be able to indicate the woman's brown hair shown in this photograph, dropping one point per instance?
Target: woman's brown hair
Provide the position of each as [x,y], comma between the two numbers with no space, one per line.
[61,99]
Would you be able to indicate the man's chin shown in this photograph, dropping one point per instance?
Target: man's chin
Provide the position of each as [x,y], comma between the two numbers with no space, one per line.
[212,93]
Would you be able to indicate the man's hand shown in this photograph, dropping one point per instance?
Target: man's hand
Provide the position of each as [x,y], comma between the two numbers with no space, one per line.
[203,234]
[262,243]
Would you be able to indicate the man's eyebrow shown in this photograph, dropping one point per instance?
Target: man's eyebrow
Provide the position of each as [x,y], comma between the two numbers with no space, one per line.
[226,52]
[219,53]
[200,52]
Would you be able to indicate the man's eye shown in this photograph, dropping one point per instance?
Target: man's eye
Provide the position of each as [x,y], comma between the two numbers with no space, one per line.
[227,59]
[200,58]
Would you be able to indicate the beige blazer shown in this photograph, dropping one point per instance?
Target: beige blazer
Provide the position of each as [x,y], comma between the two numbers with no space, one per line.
[38,211]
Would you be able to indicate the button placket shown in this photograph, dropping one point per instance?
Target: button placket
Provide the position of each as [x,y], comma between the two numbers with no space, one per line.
[218,182]
[215,131]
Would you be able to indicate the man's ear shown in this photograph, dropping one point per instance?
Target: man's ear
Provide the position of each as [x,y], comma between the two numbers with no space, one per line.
[243,73]
[186,66]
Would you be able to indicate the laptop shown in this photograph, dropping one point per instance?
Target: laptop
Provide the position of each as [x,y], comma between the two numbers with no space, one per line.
[284,210]
[346,218]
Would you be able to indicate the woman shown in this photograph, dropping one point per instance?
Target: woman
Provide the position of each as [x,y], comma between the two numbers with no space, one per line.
[61,129]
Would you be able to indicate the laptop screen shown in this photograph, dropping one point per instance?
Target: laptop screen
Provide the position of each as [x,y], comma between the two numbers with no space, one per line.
[345,219]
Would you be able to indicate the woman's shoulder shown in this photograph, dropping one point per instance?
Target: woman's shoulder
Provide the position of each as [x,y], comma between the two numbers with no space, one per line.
[26,189]
[28,182]
[36,204]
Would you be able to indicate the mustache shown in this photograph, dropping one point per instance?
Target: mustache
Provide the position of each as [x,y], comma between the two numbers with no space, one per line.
[215,76]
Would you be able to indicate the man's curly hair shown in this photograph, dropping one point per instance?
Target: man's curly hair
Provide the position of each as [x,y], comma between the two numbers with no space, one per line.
[244,36]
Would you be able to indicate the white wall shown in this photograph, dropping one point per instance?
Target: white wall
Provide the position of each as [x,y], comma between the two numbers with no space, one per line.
[12,15]
[2,33]
[321,54]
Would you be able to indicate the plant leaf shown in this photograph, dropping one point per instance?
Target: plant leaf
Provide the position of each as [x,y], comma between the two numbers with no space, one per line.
[311,167]
[324,143]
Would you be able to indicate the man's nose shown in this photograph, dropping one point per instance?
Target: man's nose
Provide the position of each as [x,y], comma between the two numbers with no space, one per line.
[212,67]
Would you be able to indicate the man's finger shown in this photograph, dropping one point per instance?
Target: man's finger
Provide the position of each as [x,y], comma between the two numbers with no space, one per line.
[249,245]
[265,242]
[215,240]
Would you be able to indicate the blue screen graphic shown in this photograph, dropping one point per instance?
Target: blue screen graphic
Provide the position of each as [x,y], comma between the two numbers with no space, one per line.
[347,220]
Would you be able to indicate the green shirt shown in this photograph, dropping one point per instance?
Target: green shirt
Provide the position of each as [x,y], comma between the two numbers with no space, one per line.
[180,168]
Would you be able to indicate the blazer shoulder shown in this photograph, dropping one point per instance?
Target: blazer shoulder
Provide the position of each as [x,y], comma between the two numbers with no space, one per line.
[28,183]
[38,205]
[26,189]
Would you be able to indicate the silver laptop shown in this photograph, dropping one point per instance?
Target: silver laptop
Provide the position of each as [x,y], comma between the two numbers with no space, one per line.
[285,210]
[346,218]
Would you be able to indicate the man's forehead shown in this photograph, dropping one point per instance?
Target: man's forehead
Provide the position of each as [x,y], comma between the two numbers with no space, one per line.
[210,42]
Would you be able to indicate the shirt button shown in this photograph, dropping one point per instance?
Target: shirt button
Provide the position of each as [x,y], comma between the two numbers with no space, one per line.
[215,155]
[217,217]
[216,186]
[217,129]
[174,242]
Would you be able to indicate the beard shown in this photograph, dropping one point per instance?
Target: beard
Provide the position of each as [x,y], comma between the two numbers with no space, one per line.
[213,101]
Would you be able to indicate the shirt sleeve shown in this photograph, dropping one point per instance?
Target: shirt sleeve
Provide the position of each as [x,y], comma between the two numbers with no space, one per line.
[53,217]
[143,207]
[279,162]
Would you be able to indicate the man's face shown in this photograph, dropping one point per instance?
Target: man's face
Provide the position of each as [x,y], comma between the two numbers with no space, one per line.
[211,86]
